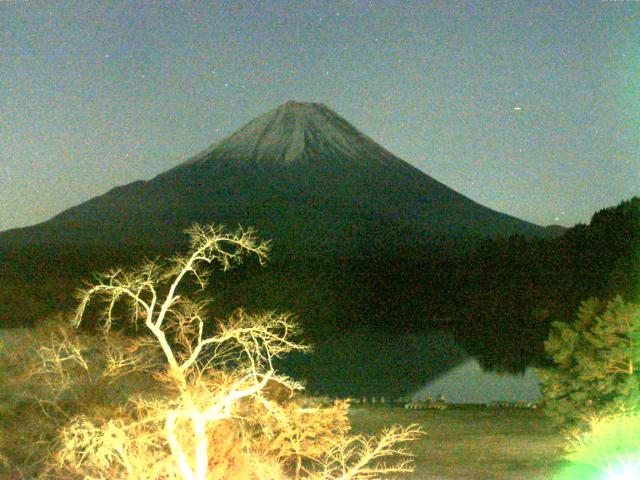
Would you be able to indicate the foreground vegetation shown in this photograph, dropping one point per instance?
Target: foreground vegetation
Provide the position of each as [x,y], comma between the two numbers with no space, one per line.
[461,443]
[592,390]
[595,362]
[185,398]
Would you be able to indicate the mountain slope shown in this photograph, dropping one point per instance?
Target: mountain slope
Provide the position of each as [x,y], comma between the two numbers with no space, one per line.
[301,175]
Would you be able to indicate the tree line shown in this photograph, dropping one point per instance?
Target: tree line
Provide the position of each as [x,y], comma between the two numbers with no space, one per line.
[499,296]
[513,289]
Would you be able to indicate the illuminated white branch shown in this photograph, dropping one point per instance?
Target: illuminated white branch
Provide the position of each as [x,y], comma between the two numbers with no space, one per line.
[361,458]
[255,339]
[212,374]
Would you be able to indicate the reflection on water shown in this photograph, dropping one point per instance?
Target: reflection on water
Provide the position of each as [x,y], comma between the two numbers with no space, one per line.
[367,363]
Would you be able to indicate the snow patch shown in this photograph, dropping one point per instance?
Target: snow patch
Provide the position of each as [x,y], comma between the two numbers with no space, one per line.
[293,132]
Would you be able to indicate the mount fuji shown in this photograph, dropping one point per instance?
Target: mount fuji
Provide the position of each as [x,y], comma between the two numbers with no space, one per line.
[302,175]
[366,248]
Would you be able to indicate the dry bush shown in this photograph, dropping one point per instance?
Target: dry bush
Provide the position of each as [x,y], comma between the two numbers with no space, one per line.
[204,408]
[295,435]
[50,374]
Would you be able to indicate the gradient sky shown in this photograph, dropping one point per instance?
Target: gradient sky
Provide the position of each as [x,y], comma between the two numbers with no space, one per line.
[531,108]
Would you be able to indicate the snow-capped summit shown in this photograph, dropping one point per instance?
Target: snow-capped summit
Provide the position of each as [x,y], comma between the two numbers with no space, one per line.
[295,132]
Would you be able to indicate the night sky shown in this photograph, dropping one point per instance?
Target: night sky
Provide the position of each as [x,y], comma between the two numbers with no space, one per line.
[530,108]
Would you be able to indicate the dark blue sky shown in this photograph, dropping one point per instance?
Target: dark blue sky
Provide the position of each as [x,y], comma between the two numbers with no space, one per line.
[531,108]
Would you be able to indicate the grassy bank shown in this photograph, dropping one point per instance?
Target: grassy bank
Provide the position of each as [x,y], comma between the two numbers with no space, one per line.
[473,443]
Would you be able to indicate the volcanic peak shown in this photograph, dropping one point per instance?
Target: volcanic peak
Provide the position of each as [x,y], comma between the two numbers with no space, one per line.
[295,132]
[298,168]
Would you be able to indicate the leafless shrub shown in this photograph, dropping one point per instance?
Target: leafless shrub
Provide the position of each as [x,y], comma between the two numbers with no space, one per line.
[209,414]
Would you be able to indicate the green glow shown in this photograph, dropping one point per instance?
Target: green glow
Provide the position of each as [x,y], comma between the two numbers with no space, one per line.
[625,471]
[608,450]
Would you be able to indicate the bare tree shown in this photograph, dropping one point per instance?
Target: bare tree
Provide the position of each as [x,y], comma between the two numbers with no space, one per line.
[208,381]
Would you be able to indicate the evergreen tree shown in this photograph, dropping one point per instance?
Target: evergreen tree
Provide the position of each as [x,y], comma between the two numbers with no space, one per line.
[595,361]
